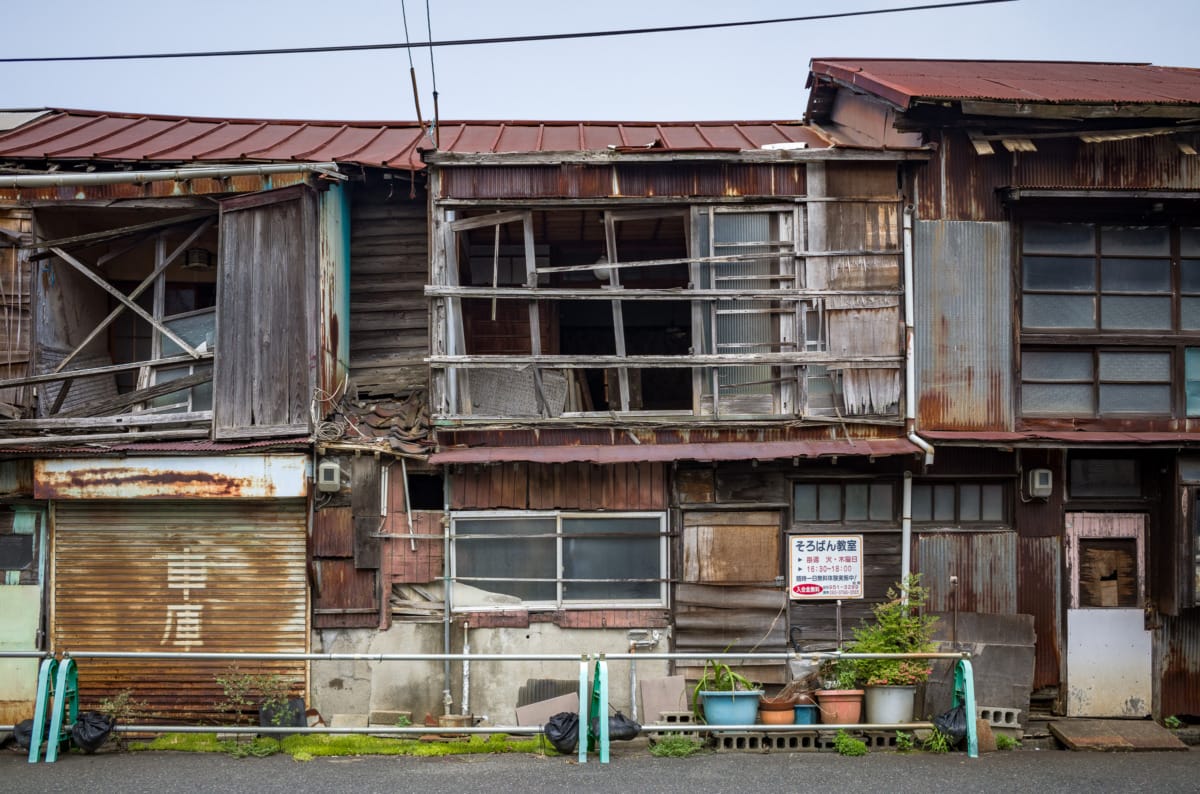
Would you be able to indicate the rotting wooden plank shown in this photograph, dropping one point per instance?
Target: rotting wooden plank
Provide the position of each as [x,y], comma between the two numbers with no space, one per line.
[90,438]
[138,396]
[333,532]
[112,234]
[730,597]
[124,420]
[365,495]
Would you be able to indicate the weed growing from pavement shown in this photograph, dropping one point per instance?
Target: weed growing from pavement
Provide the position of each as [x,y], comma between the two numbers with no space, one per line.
[309,746]
[1004,742]
[847,745]
[675,747]
[905,743]
[936,742]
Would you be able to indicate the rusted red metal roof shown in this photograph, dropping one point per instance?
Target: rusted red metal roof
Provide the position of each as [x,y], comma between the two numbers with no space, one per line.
[92,135]
[903,81]
[629,453]
[1069,437]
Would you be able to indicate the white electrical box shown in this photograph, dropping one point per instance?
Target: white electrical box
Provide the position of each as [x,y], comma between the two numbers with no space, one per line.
[1041,483]
[329,476]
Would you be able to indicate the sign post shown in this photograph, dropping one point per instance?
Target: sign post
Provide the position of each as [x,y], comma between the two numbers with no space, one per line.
[826,568]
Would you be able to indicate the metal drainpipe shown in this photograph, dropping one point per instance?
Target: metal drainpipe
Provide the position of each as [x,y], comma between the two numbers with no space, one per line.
[447,700]
[910,362]
[466,678]
[166,175]
[906,535]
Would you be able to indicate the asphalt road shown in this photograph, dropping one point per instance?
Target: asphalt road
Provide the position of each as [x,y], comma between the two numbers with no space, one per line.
[632,769]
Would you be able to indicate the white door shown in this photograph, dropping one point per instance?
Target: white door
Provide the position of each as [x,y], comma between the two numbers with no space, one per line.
[1108,646]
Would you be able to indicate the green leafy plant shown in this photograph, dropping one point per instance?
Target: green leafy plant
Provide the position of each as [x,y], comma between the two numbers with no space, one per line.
[719,677]
[675,747]
[905,743]
[403,721]
[898,627]
[847,745]
[124,709]
[247,693]
[1172,723]
[1006,742]
[936,742]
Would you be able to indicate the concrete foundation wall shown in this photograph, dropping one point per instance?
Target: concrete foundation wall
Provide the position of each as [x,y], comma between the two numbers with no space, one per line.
[363,687]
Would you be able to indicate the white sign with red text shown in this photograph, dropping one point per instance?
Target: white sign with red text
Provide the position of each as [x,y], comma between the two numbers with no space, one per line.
[825,567]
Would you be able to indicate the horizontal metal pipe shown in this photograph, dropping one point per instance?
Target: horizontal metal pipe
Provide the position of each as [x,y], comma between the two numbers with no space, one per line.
[22,654]
[497,657]
[166,175]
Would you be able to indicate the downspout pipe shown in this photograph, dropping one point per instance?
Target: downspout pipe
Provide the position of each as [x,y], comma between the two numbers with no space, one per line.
[910,361]
[167,175]
[906,536]
[447,700]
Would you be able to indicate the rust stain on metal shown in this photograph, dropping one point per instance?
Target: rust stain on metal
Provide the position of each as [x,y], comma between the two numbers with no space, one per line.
[196,484]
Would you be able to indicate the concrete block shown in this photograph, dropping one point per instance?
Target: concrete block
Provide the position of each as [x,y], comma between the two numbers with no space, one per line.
[792,742]
[880,740]
[348,721]
[999,716]
[739,742]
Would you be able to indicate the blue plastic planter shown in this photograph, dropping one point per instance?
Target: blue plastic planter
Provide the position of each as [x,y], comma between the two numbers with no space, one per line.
[806,715]
[731,708]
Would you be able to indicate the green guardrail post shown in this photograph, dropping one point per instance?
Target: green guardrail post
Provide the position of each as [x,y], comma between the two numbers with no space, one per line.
[45,688]
[964,692]
[66,708]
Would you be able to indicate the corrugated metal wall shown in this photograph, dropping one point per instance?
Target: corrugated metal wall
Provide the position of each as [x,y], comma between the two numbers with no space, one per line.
[1178,649]
[1040,595]
[985,564]
[574,486]
[216,576]
[964,325]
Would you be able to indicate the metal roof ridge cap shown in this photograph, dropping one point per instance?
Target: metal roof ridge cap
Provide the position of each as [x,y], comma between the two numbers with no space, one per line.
[171,174]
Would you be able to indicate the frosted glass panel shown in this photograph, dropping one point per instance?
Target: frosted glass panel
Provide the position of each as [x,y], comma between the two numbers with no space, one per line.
[1189,241]
[1057,399]
[1059,238]
[943,503]
[881,501]
[1191,377]
[1189,314]
[804,502]
[992,508]
[1135,366]
[857,496]
[968,502]
[830,507]
[1189,275]
[1143,313]
[1135,275]
[1058,273]
[1134,240]
[1058,311]
[922,503]
[1135,399]
[1040,365]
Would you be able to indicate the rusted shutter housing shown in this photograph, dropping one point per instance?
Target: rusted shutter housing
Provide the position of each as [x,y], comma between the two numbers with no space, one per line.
[217,576]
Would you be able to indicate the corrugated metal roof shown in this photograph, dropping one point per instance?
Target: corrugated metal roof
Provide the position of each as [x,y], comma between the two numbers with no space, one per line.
[1068,437]
[902,81]
[92,135]
[624,453]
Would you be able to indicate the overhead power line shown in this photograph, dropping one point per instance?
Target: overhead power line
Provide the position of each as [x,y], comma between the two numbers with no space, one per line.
[594,34]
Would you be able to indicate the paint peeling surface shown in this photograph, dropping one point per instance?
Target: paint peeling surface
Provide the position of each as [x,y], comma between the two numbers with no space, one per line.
[234,477]
[1108,663]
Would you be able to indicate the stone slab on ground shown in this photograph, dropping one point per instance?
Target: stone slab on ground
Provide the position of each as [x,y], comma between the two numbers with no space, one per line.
[348,721]
[1114,735]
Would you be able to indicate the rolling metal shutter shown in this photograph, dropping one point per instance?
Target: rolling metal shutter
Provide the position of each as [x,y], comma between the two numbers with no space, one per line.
[200,577]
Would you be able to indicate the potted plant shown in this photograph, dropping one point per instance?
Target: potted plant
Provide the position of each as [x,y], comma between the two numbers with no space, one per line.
[727,697]
[839,699]
[899,626]
[778,710]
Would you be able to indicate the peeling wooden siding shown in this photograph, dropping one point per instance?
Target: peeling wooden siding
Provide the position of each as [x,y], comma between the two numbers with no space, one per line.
[568,486]
[731,547]
[389,314]
[15,326]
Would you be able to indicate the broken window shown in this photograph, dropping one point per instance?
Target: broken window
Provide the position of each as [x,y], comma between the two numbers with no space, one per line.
[709,310]
[548,560]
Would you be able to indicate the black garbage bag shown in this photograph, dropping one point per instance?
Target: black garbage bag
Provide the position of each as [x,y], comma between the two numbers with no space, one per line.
[91,729]
[953,724]
[563,731]
[23,734]
[620,728]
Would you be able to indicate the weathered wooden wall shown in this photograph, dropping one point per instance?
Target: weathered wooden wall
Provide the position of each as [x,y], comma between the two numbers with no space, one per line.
[15,328]
[568,486]
[389,265]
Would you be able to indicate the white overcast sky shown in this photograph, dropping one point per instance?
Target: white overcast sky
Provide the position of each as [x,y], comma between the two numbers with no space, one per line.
[742,73]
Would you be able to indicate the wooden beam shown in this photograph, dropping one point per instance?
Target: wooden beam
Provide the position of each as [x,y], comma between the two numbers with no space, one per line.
[123,420]
[114,404]
[483,221]
[51,377]
[116,293]
[641,362]
[626,293]
[92,438]
[111,234]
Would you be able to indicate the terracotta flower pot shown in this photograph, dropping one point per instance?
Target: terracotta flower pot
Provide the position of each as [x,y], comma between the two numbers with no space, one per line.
[777,711]
[840,706]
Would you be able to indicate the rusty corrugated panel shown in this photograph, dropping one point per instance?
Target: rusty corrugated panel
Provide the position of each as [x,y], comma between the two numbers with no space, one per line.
[1040,595]
[205,576]
[1179,649]
[631,453]
[1066,437]
[173,477]
[1139,163]
[644,180]
[551,436]
[246,183]
[520,486]
[91,135]
[964,325]
[985,564]
[902,80]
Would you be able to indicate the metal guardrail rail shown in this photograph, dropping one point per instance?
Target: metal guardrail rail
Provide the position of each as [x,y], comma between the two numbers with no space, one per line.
[589,689]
